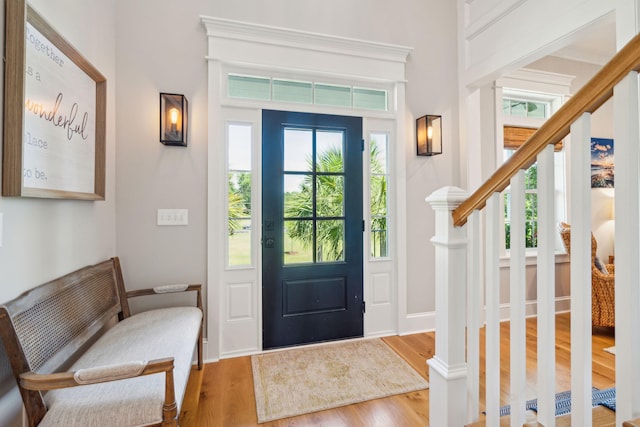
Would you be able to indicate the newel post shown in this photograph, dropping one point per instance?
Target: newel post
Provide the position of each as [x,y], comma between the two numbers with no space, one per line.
[448,367]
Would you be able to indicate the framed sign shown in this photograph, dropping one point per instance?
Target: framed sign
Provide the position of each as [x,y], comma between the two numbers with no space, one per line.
[54,113]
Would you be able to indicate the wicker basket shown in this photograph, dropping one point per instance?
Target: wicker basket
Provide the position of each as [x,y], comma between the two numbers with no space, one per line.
[602,285]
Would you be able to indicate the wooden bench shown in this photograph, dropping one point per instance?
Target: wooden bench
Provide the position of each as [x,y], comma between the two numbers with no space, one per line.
[80,358]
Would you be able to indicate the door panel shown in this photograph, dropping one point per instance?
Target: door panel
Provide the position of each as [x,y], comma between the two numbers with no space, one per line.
[314,296]
[312,229]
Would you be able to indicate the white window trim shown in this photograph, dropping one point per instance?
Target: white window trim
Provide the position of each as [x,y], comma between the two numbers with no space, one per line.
[533,85]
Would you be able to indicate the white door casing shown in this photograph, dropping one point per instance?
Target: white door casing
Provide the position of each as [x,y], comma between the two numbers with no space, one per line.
[234,318]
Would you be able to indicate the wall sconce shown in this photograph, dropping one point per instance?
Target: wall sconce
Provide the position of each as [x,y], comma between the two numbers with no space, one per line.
[429,135]
[173,119]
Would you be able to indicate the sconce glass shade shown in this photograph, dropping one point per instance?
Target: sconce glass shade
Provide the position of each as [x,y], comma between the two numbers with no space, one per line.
[429,135]
[173,119]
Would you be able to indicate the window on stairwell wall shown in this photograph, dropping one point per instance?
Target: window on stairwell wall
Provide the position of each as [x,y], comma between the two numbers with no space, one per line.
[522,113]
[531,206]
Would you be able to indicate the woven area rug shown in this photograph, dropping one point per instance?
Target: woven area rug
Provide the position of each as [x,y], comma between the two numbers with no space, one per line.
[300,381]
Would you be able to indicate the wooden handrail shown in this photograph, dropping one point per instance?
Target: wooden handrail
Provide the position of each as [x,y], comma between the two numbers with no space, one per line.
[588,99]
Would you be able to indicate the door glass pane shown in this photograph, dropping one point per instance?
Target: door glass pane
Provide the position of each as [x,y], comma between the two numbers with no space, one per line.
[378,195]
[298,150]
[298,242]
[239,147]
[379,161]
[240,242]
[292,91]
[339,96]
[329,156]
[239,194]
[329,195]
[378,198]
[249,87]
[298,196]
[370,99]
[379,237]
[330,241]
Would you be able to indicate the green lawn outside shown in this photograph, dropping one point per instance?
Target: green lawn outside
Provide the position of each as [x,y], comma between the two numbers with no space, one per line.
[240,250]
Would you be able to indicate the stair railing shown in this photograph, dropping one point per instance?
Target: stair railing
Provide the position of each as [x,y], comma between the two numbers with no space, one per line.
[455,395]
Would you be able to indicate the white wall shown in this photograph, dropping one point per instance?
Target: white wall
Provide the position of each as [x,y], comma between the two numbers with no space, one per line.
[160,49]
[43,239]
[154,57]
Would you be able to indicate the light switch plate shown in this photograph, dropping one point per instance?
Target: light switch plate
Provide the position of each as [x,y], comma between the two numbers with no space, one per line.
[173,217]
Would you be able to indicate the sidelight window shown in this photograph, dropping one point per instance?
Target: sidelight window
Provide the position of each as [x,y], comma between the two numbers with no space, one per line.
[379,199]
[239,183]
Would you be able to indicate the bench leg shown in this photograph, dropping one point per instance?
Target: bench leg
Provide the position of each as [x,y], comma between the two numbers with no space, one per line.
[200,339]
[170,407]
[169,415]
[200,335]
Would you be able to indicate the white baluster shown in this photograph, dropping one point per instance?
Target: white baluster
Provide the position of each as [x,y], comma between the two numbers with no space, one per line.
[627,237]
[492,327]
[517,331]
[546,288]
[473,318]
[580,203]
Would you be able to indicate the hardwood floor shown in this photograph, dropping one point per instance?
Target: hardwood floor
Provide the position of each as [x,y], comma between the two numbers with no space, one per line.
[222,393]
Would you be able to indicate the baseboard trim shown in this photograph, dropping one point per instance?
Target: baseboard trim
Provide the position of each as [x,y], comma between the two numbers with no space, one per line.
[416,323]
[413,323]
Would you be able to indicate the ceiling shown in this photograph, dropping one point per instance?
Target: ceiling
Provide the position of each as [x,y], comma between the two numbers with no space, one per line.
[595,44]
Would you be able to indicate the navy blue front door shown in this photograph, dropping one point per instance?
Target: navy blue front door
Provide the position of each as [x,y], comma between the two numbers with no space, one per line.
[312,228]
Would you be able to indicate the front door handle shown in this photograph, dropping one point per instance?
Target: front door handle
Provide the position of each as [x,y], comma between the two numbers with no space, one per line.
[269,242]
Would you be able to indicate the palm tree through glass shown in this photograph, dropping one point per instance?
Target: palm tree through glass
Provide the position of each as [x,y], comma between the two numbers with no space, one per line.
[313,199]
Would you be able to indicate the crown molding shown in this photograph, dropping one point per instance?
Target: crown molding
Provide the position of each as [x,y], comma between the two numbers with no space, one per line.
[278,36]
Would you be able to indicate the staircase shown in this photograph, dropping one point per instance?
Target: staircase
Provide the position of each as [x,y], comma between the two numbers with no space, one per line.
[462,254]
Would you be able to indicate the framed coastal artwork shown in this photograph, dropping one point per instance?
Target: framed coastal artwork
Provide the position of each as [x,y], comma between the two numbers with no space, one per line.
[54,113]
[602,163]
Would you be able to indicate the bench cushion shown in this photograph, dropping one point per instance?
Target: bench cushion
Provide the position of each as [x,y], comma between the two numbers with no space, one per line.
[166,332]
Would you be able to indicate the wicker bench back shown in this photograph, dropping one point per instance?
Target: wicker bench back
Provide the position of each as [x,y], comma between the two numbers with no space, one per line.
[6,374]
[55,320]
